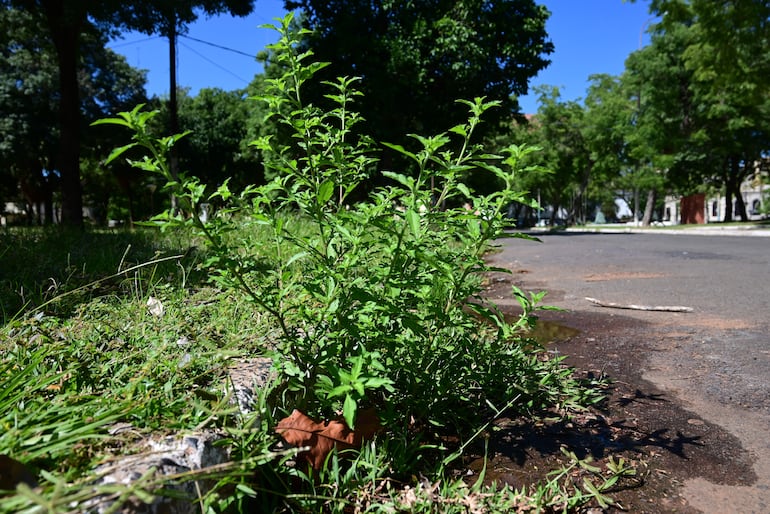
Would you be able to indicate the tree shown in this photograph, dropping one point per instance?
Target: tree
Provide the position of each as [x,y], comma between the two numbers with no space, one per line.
[66,21]
[565,157]
[111,86]
[608,125]
[730,62]
[30,86]
[718,53]
[417,58]
[214,151]
[27,86]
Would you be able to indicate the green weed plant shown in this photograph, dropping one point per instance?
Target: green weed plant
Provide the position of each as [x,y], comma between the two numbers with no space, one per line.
[378,303]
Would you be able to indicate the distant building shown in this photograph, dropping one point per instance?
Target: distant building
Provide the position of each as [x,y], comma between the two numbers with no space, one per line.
[712,208]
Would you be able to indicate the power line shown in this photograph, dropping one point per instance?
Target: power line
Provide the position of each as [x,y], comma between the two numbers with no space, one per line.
[219,46]
[135,42]
[213,63]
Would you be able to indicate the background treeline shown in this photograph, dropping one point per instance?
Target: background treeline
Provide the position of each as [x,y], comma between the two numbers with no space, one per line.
[690,113]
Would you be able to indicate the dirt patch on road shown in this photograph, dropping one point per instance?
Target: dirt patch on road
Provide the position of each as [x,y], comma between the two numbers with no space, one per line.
[679,453]
[620,275]
[708,322]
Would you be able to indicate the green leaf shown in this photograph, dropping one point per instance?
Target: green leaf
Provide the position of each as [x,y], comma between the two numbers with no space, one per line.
[400,149]
[375,382]
[474,228]
[339,391]
[248,491]
[349,411]
[112,121]
[294,258]
[223,191]
[459,129]
[413,218]
[325,192]
[407,182]
[118,152]
[464,190]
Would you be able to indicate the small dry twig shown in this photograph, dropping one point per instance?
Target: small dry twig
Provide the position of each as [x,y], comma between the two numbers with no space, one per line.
[667,308]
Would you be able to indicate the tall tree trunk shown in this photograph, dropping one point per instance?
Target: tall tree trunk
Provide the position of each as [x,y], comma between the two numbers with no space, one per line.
[649,207]
[636,205]
[737,175]
[554,209]
[578,205]
[729,195]
[733,191]
[728,204]
[65,25]
[48,206]
[740,205]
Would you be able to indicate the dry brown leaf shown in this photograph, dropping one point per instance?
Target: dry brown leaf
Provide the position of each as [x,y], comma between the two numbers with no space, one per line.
[13,473]
[298,429]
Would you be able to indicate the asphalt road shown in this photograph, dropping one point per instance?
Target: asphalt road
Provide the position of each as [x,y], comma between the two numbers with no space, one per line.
[727,276]
[714,360]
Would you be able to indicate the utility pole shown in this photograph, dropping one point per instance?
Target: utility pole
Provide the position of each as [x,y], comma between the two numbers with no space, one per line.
[172,106]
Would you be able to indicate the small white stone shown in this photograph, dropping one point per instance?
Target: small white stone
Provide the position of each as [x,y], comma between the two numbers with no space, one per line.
[155,306]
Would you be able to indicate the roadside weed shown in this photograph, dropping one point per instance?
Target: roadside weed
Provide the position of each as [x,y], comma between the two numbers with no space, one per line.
[581,482]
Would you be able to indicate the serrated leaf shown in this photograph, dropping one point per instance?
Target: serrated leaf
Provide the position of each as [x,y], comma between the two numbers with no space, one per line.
[474,228]
[459,129]
[407,182]
[325,192]
[349,408]
[117,152]
[376,382]
[339,391]
[295,257]
[464,190]
[413,219]
[400,149]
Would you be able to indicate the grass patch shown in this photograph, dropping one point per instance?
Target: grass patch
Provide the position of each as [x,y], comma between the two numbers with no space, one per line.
[55,268]
[86,362]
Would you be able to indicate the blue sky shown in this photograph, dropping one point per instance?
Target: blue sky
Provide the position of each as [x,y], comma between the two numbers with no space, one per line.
[590,36]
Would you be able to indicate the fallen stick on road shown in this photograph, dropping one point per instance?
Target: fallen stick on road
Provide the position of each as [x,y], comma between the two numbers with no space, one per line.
[667,308]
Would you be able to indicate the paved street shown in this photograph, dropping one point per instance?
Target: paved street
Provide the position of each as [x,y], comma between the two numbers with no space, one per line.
[719,276]
[714,360]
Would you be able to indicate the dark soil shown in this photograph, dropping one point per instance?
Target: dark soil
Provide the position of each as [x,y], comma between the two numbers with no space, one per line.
[666,443]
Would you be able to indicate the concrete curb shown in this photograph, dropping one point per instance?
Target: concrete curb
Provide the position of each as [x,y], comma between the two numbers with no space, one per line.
[742,231]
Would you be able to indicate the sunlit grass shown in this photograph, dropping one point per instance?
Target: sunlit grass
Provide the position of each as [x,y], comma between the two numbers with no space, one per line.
[43,264]
[90,353]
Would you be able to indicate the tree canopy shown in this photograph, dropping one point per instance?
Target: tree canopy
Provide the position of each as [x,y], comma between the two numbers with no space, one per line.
[215,149]
[690,113]
[417,58]
[29,90]
[66,21]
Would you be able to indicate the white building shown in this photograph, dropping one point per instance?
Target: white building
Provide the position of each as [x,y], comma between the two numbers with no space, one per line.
[754,192]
